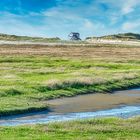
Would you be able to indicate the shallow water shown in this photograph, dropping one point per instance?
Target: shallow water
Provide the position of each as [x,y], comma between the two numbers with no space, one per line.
[123,112]
[124,104]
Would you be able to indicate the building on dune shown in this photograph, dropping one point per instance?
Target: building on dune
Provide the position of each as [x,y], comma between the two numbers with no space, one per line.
[74,36]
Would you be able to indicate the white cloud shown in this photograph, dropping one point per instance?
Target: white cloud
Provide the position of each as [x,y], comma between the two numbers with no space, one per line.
[129,6]
[122,7]
[14,24]
[131,26]
[88,24]
[75,18]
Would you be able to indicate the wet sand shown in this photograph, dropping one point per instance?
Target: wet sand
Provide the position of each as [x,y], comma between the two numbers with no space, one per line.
[95,102]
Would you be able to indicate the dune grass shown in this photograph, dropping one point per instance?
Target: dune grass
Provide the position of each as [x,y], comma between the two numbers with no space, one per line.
[29,78]
[123,36]
[93,129]
[7,37]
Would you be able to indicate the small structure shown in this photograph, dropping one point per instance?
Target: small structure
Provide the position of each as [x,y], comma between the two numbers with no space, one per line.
[74,36]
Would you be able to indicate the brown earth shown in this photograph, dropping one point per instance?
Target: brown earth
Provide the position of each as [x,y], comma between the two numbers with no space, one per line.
[96,52]
[94,102]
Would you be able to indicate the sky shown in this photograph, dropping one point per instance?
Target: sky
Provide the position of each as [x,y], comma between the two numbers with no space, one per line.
[57,18]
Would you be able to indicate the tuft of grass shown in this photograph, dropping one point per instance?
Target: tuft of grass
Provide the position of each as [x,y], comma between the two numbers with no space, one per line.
[12,92]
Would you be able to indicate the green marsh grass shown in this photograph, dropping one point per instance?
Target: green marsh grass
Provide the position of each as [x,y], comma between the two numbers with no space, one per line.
[28,80]
[92,129]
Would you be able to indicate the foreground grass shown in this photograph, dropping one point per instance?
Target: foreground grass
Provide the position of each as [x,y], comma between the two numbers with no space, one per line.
[94,129]
[28,80]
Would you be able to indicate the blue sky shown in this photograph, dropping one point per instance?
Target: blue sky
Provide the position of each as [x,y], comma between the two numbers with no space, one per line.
[51,18]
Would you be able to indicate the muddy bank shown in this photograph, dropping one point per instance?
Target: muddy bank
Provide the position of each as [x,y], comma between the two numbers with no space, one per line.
[124,104]
[94,102]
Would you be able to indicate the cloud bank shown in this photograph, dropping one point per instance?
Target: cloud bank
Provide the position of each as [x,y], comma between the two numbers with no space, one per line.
[60,17]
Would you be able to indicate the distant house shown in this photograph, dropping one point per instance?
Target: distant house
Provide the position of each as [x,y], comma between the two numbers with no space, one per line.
[74,36]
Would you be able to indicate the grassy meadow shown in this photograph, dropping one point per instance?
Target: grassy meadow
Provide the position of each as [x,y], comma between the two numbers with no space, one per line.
[32,74]
[93,129]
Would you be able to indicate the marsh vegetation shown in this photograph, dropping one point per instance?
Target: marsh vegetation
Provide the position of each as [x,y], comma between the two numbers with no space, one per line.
[97,129]
[32,74]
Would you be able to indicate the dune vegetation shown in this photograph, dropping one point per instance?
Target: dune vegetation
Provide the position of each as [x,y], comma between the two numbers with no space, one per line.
[122,36]
[7,37]
[31,74]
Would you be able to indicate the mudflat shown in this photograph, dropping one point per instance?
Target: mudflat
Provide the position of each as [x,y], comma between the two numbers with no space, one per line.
[94,102]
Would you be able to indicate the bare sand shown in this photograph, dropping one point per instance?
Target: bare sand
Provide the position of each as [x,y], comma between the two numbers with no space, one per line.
[94,102]
[87,42]
[114,41]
